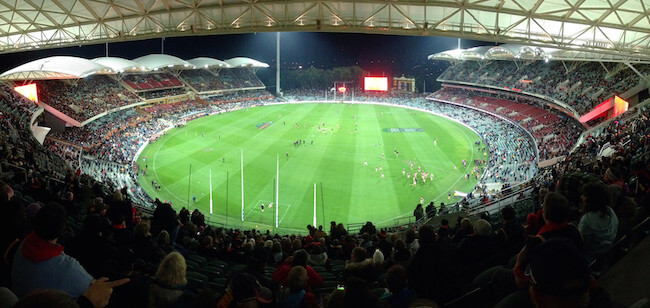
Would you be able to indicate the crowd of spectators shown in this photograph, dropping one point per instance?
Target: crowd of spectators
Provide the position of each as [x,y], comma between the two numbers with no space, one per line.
[225,79]
[555,134]
[582,85]
[162,93]
[151,81]
[84,98]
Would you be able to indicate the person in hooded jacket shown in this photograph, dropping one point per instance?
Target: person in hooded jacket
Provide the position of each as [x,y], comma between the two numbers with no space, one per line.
[599,224]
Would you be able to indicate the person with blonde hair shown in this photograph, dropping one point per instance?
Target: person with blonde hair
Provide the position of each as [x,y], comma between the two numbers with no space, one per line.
[297,295]
[170,282]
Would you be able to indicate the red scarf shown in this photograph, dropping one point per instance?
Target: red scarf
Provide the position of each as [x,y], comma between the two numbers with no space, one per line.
[37,249]
[551,226]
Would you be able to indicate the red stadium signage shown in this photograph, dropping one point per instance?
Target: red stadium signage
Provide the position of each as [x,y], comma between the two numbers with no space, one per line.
[375,84]
[28,91]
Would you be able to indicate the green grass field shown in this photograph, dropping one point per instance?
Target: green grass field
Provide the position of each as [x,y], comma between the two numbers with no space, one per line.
[346,190]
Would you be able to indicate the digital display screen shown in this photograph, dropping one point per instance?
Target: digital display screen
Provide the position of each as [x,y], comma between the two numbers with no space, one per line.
[375,84]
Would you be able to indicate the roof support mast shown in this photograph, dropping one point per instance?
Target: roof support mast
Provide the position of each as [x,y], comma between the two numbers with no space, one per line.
[277,62]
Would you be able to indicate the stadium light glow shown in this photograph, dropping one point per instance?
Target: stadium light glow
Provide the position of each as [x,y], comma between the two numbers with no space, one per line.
[342,89]
[620,106]
[28,91]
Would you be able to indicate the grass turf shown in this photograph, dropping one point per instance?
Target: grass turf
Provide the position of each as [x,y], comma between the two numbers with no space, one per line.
[346,190]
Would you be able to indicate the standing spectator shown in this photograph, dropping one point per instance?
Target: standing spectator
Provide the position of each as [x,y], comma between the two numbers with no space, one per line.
[511,237]
[418,212]
[430,210]
[430,267]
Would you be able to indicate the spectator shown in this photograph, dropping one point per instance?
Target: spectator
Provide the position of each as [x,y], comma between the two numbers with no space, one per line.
[444,232]
[432,261]
[418,212]
[360,266]
[511,237]
[317,256]
[560,277]
[465,229]
[477,247]
[430,210]
[299,258]
[599,223]
[170,282]
[296,293]
[40,263]
[398,294]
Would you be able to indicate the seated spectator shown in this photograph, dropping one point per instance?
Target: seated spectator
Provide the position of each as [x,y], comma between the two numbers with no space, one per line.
[398,294]
[299,257]
[90,247]
[245,291]
[400,254]
[560,277]
[556,214]
[163,242]
[532,224]
[134,293]
[357,294]
[296,293]
[444,232]
[143,245]
[360,266]
[317,256]
[40,263]
[476,247]
[465,229]
[599,223]
[170,282]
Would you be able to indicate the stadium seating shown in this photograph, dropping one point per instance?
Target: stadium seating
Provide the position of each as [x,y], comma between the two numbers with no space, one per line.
[582,85]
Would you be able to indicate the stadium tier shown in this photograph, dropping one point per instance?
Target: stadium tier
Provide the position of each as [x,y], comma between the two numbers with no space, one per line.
[581,85]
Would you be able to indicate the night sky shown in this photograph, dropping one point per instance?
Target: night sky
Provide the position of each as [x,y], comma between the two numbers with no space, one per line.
[387,55]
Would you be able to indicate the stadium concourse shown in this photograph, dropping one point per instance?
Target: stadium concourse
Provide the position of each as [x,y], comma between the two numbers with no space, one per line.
[449,257]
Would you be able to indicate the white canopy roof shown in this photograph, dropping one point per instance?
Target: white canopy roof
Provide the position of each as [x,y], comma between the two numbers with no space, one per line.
[119,64]
[58,67]
[157,61]
[243,61]
[208,62]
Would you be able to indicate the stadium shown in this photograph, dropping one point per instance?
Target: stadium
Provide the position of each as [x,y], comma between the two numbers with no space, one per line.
[206,184]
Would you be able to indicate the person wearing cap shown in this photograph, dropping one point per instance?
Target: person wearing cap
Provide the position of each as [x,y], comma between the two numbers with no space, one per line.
[559,277]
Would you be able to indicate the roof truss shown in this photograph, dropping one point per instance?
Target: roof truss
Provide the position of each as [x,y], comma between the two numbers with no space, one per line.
[610,27]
